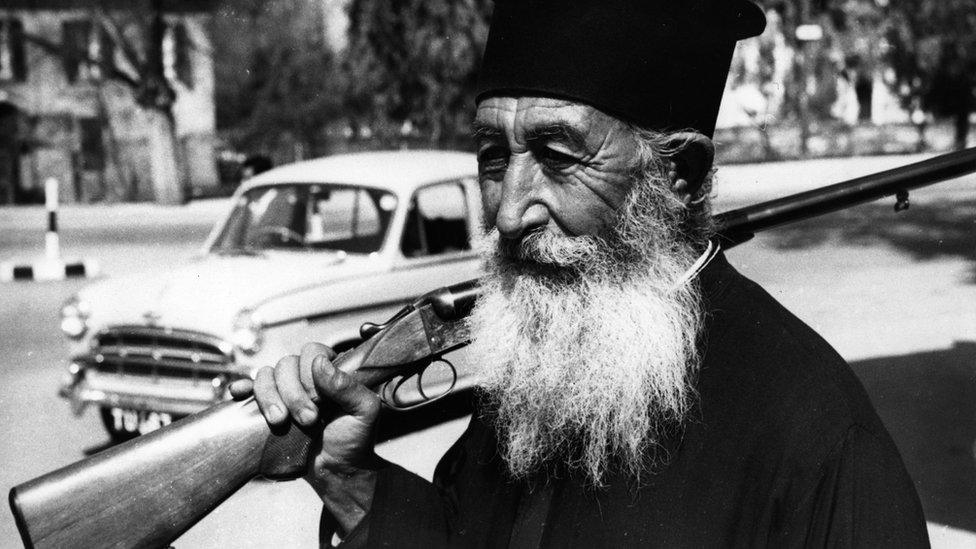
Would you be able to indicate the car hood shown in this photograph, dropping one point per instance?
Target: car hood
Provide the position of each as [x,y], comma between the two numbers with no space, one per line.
[208,292]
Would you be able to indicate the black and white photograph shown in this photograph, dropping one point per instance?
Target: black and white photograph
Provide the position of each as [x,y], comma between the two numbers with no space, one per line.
[488,273]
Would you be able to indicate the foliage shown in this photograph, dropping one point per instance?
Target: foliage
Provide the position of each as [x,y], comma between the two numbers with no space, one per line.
[412,66]
[409,69]
[857,31]
[925,49]
[809,89]
[277,80]
[932,50]
[406,75]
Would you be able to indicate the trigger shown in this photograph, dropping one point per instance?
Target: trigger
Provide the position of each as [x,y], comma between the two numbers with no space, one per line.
[388,392]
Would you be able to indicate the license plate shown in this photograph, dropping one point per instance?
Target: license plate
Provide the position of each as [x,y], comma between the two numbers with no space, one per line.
[139,421]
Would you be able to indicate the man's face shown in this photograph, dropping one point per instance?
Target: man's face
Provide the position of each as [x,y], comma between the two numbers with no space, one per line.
[584,331]
[551,164]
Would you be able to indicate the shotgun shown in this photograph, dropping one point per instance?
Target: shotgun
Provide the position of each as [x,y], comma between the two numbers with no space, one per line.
[148,491]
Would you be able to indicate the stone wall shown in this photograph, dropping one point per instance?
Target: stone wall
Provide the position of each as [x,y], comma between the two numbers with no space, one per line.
[90,134]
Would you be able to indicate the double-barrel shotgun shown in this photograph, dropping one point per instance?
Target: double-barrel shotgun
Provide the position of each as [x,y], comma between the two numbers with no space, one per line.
[148,491]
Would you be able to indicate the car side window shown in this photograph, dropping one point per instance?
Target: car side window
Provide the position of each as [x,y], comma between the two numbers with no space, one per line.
[437,221]
[347,218]
[341,214]
[302,217]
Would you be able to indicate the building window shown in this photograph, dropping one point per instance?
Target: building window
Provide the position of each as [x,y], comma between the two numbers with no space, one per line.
[75,36]
[88,50]
[177,49]
[92,147]
[13,65]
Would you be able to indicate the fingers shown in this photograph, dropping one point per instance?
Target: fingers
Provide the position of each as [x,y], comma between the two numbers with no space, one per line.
[241,389]
[309,352]
[352,397]
[266,394]
[296,398]
[288,390]
[297,383]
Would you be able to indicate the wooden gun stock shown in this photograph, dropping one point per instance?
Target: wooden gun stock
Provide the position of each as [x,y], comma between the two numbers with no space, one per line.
[148,491]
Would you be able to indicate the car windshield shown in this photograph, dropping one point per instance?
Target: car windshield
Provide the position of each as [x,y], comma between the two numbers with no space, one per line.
[307,217]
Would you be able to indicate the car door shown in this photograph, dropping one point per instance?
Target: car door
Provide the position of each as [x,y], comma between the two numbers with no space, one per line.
[436,245]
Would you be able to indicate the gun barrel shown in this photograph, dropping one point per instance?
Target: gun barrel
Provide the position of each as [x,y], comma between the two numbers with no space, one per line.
[739,225]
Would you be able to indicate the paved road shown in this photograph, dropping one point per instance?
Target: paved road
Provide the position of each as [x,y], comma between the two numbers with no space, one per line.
[894,295]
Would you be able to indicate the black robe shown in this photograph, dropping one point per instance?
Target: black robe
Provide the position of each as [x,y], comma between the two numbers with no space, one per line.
[783,449]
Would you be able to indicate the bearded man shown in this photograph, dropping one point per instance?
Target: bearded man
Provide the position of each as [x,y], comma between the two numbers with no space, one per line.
[635,389]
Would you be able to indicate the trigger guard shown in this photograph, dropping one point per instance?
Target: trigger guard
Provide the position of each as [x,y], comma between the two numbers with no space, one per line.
[397,383]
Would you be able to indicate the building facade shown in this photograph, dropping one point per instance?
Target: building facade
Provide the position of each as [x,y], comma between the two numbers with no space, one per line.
[66,113]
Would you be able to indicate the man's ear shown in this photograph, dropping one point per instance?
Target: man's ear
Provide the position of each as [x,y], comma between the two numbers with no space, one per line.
[690,164]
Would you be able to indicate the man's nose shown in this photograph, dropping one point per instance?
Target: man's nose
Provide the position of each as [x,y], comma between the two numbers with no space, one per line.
[520,208]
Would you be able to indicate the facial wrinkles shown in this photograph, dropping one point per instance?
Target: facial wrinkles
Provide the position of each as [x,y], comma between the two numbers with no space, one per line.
[499,114]
[583,198]
[612,162]
[555,195]
[603,169]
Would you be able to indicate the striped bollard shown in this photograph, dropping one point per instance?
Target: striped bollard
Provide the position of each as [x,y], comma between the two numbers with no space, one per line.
[52,245]
[51,267]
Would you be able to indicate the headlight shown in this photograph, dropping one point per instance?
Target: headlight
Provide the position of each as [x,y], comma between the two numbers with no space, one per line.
[247,332]
[74,317]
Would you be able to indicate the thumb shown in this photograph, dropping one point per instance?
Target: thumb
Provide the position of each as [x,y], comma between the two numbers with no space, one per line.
[241,389]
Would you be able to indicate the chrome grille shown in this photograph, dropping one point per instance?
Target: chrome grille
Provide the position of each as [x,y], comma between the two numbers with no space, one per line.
[160,352]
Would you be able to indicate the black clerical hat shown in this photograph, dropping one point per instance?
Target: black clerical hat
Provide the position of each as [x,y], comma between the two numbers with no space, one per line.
[661,64]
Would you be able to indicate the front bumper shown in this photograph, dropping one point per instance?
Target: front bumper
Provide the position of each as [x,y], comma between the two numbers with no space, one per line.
[173,396]
[150,368]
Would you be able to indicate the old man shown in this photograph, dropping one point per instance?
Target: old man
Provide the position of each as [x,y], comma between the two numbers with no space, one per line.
[635,390]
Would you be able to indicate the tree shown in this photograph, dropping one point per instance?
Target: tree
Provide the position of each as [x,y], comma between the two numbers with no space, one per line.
[763,64]
[810,83]
[858,32]
[137,32]
[278,80]
[412,67]
[932,50]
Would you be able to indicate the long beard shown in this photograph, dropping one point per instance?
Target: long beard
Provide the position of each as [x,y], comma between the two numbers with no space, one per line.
[588,346]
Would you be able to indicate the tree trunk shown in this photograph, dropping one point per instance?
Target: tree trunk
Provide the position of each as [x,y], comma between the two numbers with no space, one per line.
[962,129]
[769,152]
[921,144]
[164,167]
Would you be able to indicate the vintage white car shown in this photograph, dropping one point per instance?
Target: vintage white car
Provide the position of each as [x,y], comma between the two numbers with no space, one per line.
[307,252]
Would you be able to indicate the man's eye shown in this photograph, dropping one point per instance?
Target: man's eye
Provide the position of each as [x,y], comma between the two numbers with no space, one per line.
[492,160]
[556,160]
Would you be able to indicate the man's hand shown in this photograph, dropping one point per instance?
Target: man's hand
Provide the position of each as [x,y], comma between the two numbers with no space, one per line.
[307,389]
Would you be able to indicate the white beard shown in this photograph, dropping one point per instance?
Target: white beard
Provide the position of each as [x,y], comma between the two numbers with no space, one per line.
[588,360]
